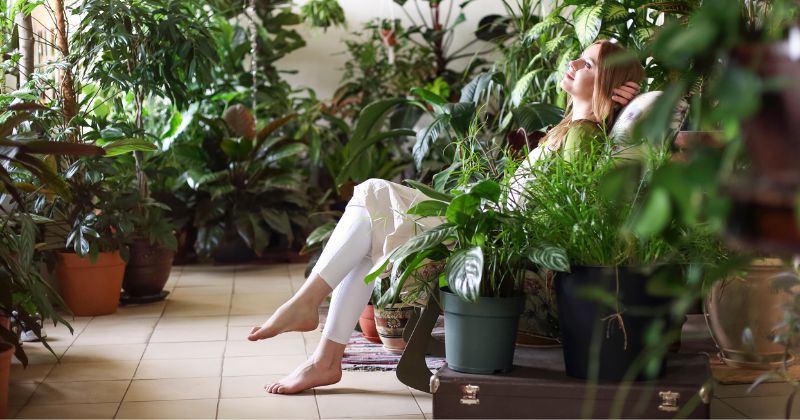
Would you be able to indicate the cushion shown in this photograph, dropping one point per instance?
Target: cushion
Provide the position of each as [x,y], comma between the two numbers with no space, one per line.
[622,130]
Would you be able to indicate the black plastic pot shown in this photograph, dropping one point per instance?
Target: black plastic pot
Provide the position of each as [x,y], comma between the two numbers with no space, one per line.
[147,270]
[583,320]
[481,336]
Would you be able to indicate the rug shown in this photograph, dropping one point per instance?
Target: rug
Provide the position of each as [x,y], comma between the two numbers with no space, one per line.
[729,375]
[364,355]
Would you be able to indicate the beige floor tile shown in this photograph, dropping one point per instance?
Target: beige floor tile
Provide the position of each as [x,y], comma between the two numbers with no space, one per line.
[177,335]
[247,386]
[424,401]
[265,348]
[356,402]
[247,320]
[257,303]
[116,322]
[369,381]
[191,350]
[192,322]
[142,311]
[96,371]
[197,307]
[100,353]
[85,392]
[181,409]
[69,411]
[37,354]
[721,410]
[270,407]
[13,410]
[261,365]
[193,279]
[263,285]
[191,368]
[122,336]
[173,389]
[187,292]
[33,373]
[262,270]
[60,335]
[20,392]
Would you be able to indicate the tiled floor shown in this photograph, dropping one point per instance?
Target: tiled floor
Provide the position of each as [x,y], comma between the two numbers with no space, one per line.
[188,358]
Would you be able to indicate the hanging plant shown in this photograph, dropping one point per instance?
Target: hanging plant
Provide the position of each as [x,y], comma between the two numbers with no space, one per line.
[323,13]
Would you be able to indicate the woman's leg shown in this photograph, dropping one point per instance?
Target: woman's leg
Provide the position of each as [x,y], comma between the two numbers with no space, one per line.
[324,367]
[347,248]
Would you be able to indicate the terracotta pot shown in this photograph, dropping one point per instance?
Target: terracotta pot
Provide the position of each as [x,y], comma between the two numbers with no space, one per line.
[90,289]
[750,302]
[391,322]
[6,352]
[148,269]
[367,323]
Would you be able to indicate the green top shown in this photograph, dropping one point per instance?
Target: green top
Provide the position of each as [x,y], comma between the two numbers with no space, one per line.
[579,138]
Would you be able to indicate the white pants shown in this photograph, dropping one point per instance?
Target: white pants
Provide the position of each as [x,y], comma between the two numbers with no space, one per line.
[343,265]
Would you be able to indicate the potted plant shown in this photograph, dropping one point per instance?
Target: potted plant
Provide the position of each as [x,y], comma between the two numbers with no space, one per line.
[484,261]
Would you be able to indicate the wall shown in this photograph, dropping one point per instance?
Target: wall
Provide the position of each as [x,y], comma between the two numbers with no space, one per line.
[320,63]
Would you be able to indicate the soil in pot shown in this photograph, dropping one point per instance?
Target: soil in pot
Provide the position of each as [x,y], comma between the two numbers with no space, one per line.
[367,323]
[481,336]
[583,320]
[90,289]
[391,322]
[147,270]
[6,352]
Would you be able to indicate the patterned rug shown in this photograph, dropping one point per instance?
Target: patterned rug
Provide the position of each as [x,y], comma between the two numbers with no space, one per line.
[362,354]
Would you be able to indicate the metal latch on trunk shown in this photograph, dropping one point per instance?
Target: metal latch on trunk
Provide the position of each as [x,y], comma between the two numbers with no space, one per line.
[469,394]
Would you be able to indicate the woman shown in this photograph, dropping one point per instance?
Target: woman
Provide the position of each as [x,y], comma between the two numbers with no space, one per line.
[375,223]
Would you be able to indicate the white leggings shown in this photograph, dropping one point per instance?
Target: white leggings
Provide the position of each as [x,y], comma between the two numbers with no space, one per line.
[343,265]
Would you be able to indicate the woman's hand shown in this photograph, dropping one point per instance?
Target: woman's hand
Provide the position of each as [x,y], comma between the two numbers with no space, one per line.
[623,94]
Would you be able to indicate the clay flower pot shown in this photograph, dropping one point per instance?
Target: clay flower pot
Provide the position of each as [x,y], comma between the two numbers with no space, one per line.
[367,323]
[90,289]
[6,352]
[148,269]
[391,322]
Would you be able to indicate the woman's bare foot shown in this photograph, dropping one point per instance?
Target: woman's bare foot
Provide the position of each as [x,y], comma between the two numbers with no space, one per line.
[293,315]
[308,375]
[300,313]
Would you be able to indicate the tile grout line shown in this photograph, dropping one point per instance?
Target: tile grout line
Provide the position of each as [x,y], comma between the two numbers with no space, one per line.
[227,336]
[146,345]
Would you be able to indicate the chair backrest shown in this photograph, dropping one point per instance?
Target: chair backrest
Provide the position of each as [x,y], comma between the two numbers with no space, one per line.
[622,130]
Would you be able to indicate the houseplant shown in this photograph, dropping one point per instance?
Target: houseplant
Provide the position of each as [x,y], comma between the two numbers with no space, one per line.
[482,279]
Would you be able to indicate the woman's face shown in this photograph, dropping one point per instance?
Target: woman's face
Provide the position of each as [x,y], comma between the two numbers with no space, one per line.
[579,80]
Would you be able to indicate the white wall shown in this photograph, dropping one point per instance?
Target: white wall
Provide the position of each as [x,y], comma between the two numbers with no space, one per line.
[319,64]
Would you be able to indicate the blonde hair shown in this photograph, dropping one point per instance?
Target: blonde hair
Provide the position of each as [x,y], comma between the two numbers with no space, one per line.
[609,76]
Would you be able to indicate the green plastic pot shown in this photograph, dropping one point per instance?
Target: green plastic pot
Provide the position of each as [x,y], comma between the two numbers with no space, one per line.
[480,337]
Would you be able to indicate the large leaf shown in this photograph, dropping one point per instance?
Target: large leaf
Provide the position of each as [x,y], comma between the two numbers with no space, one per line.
[429,208]
[588,21]
[464,270]
[426,137]
[655,215]
[463,208]
[461,116]
[425,240]
[430,192]
[487,189]
[55,148]
[357,152]
[123,146]
[320,234]
[537,116]
[474,90]
[371,120]
[550,257]
[521,88]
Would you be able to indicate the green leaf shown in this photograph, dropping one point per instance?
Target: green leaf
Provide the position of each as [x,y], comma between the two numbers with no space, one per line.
[537,116]
[461,116]
[655,215]
[370,120]
[356,153]
[473,90]
[550,257]
[429,208]
[462,208]
[320,234]
[588,21]
[521,88]
[487,189]
[426,138]
[429,97]
[425,240]
[430,192]
[463,271]
[123,146]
